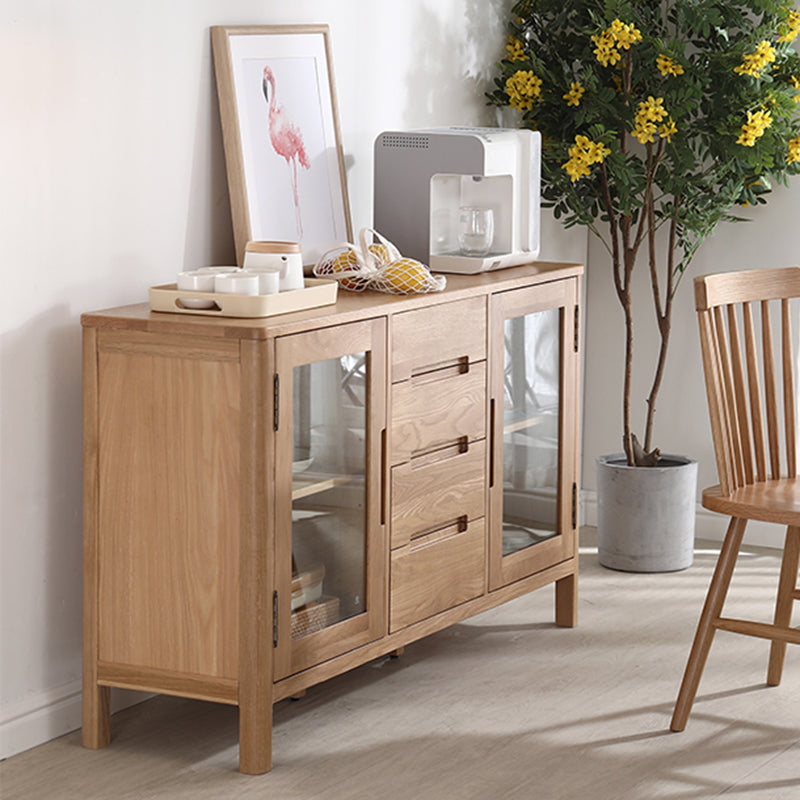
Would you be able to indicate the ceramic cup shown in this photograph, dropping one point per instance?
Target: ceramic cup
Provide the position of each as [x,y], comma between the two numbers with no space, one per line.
[269,282]
[196,281]
[283,257]
[217,270]
[239,282]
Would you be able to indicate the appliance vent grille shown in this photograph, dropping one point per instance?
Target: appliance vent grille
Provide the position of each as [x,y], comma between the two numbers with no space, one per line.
[406,141]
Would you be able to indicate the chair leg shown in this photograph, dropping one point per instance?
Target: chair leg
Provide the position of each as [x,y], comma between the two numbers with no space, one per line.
[783,607]
[715,599]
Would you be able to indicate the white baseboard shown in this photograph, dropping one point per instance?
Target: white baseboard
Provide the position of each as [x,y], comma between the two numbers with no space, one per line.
[708,525]
[49,714]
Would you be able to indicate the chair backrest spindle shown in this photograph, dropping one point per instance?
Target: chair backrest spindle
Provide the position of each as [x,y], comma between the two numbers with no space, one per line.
[748,380]
[789,405]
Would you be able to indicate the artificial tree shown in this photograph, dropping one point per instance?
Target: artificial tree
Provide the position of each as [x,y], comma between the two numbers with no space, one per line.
[658,118]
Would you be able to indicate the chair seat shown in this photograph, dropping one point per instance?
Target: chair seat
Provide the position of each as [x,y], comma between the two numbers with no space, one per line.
[768,501]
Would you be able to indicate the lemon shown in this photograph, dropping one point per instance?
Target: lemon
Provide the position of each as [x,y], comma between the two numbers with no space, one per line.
[405,276]
[381,252]
[345,261]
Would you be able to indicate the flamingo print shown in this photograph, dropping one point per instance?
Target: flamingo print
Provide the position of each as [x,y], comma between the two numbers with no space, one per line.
[287,140]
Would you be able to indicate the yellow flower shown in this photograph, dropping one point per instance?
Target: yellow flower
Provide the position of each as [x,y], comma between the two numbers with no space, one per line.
[666,66]
[795,81]
[582,155]
[573,96]
[753,63]
[667,130]
[605,49]
[794,150]
[523,87]
[619,36]
[625,34]
[515,50]
[757,123]
[791,28]
[649,114]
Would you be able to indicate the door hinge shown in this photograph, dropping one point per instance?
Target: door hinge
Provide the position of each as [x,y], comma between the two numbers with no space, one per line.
[574,506]
[274,619]
[276,390]
[577,329]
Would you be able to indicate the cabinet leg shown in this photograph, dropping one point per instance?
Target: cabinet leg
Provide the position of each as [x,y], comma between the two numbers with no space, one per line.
[298,695]
[397,653]
[567,601]
[96,714]
[255,739]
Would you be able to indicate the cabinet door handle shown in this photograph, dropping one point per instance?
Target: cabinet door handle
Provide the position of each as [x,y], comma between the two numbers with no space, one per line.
[384,471]
[491,442]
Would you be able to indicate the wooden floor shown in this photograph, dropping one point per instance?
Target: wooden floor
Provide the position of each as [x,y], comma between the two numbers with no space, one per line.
[503,706]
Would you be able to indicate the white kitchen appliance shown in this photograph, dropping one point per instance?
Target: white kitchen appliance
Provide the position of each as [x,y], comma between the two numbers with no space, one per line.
[430,185]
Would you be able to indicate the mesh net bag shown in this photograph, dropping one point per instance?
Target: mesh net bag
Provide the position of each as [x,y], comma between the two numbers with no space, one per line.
[375,263]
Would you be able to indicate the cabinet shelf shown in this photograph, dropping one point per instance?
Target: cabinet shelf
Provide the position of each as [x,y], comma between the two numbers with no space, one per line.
[309,484]
[520,423]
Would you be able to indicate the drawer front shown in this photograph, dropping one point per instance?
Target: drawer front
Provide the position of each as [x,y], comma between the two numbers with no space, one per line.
[438,408]
[437,489]
[442,335]
[436,572]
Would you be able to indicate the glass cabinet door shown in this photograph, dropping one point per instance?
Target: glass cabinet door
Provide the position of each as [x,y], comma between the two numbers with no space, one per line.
[534,427]
[329,532]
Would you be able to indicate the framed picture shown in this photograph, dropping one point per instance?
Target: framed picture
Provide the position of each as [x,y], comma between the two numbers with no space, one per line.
[280,127]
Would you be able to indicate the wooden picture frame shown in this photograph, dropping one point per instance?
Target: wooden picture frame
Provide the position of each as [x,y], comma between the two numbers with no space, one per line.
[280,127]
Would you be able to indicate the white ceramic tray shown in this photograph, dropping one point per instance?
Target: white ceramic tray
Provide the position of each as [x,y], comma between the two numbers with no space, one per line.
[317,292]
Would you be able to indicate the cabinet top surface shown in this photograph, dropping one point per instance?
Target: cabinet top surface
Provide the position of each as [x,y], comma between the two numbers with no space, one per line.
[349,306]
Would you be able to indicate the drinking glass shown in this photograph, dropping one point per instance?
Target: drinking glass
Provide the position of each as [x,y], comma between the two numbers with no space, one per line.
[475,230]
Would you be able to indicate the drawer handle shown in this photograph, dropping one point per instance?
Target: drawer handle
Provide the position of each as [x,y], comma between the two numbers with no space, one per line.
[428,457]
[440,370]
[425,539]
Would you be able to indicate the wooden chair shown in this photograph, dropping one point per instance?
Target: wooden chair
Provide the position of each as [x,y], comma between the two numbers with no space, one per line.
[753,411]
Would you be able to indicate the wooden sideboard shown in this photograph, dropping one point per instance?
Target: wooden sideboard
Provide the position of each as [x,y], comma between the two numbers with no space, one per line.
[269,503]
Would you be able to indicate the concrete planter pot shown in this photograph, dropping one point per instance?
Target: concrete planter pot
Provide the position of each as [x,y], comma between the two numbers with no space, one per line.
[645,515]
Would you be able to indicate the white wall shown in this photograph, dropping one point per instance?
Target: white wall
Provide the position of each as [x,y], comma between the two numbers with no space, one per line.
[113,179]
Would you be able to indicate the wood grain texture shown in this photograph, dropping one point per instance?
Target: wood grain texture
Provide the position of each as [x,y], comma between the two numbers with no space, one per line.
[180,684]
[436,572]
[768,501]
[789,391]
[745,492]
[368,337]
[429,494]
[96,712]
[389,643]
[437,409]
[704,635]
[349,307]
[447,334]
[746,286]
[561,295]
[253,605]
[189,492]
[168,516]
[787,595]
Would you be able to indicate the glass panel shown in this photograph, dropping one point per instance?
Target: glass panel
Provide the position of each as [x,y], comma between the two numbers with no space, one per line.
[328,492]
[530,430]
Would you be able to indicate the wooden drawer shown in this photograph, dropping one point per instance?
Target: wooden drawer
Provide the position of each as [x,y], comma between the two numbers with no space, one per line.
[438,408]
[437,489]
[436,572]
[439,336]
